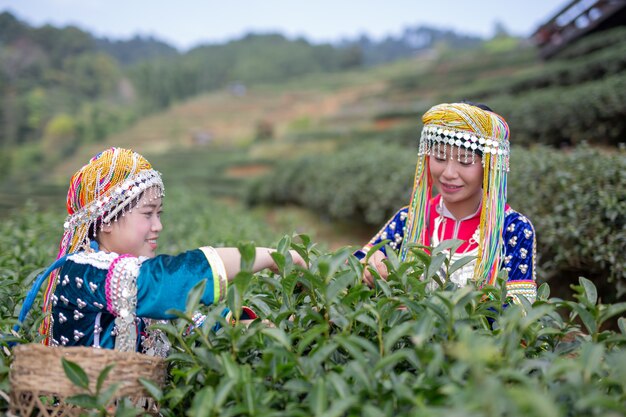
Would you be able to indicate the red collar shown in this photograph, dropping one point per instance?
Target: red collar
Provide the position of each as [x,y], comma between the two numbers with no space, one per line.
[437,208]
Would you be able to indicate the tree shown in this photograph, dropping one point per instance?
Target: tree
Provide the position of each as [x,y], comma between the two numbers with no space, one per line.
[91,75]
[59,137]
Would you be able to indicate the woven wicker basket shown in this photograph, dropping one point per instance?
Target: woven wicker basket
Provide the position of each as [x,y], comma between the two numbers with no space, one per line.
[39,384]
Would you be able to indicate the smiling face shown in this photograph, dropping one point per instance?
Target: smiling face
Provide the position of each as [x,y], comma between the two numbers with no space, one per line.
[458,178]
[136,232]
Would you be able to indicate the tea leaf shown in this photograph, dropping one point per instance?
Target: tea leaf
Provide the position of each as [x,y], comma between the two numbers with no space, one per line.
[195,295]
[153,389]
[611,311]
[397,332]
[450,245]
[318,398]
[338,284]
[105,397]
[586,318]
[339,407]
[460,263]
[543,292]
[248,253]
[86,401]
[590,290]
[203,400]
[278,335]
[75,373]
[103,376]
[621,322]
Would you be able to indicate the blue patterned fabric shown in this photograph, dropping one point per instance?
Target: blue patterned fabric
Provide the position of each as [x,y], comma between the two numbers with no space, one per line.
[80,313]
[519,247]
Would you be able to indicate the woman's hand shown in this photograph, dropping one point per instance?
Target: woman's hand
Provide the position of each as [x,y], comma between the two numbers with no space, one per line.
[376,263]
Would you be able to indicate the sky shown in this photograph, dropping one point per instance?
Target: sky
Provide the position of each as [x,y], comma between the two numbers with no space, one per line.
[188,23]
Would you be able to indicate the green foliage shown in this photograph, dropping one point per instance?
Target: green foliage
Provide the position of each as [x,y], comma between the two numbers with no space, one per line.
[591,112]
[597,65]
[28,242]
[203,171]
[192,219]
[502,43]
[61,127]
[594,42]
[29,239]
[326,344]
[96,121]
[576,200]
[35,105]
[100,400]
[139,48]
[578,97]
[367,182]
[329,345]
[462,68]
[253,59]
[93,75]
[60,137]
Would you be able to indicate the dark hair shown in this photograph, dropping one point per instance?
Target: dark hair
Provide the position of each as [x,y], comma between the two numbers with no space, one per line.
[479,105]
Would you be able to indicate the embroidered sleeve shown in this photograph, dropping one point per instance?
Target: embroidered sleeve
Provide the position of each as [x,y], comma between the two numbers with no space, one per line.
[393,230]
[220,280]
[165,281]
[519,261]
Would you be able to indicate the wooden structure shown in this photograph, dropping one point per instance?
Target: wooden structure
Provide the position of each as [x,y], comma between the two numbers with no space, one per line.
[577,19]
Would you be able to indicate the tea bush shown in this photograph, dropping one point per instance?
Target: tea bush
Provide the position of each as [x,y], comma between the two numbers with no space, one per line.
[367,182]
[579,96]
[331,346]
[593,43]
[605,62]
[555,115]
[336,347]
[29,239]
[576,199]
[591,112]
[460,68]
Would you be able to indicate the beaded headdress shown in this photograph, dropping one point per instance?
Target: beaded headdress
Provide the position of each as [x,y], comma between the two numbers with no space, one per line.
[100,192]
[475,133]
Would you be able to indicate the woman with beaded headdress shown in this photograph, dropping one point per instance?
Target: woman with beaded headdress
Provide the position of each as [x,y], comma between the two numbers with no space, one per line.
[464,153]
[108,283]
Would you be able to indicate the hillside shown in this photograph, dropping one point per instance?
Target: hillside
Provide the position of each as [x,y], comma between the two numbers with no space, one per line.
[365,102]
[300,152]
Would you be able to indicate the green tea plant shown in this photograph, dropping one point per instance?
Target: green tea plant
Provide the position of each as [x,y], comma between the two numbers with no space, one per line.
[599,64]
[326,344]
[329,345]
[344,185]
[577,201]
[590,112]
[595,42]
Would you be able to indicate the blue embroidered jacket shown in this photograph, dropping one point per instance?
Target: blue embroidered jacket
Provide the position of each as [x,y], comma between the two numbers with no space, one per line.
[519,241]
[92,288]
